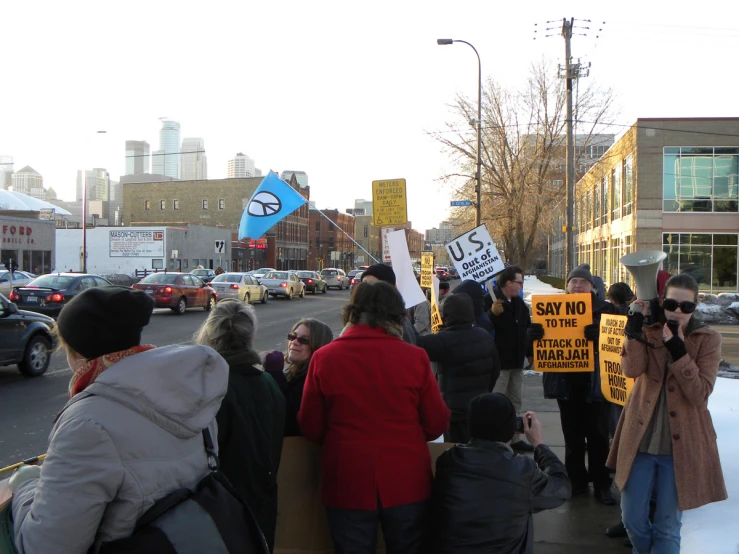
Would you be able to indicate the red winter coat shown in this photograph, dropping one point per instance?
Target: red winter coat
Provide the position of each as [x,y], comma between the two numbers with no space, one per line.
[372,401]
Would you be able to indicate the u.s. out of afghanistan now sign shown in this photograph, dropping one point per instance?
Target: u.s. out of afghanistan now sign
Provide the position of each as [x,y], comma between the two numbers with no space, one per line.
[475,256]
[135,244]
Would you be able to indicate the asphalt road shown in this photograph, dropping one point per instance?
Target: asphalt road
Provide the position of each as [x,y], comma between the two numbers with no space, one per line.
[28,406]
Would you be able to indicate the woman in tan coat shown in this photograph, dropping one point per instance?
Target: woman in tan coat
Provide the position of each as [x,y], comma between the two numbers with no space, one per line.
[665,440]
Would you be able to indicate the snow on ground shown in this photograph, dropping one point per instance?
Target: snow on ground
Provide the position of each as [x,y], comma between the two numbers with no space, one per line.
[713,528]
[532,285]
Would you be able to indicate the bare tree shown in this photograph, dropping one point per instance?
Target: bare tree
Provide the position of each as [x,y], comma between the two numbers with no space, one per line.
[523,156]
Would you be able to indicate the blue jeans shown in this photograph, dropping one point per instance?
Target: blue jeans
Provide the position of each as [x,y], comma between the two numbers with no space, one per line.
[663,536]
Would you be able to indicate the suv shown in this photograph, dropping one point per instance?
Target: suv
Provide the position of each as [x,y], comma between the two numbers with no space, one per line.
[335,278]
[205,275]
[25,339]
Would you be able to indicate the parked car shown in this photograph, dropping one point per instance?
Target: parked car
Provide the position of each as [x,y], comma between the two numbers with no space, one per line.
[48,294]
[25,339]
[353,272]
[356,279]
[178,291]
[283,283]
[239,286]
[313,281]
[20,278]
[442,273]
[205,275]
[335,278]
[260,273]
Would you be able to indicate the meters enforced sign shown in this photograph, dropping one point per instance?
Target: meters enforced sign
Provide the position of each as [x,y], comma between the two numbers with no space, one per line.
[475,256]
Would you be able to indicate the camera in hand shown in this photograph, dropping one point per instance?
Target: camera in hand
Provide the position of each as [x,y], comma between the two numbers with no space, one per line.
[673,326]
[519,423]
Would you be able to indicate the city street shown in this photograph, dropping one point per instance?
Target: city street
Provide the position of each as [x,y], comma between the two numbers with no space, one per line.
[28,406]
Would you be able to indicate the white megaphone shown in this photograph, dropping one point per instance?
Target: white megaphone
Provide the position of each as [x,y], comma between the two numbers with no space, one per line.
[644,266]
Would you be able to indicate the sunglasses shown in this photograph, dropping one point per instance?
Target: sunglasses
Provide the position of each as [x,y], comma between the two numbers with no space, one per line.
[670,305]
[301,340]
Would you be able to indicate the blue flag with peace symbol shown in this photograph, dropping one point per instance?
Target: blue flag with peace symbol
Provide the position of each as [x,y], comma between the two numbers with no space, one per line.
[273,200]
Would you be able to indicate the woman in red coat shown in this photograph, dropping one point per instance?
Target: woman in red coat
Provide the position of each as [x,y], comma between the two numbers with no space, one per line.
[372,401]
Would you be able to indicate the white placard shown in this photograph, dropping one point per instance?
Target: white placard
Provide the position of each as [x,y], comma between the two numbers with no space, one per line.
[405,279]
[475,256]
[134,244]
[220,247]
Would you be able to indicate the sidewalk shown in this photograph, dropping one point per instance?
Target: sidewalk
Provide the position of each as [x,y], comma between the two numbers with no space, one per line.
[578,526]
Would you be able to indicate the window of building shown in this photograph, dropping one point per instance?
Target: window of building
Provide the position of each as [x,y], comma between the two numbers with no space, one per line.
[700,179]
[628,185]
[175,204]
[615,250]
[147,204]
[366,231]
[205,204]
[589,210]
[710,258]
[318,226]
[605,199]
[596,205]
[221,204]
[162,204]
[616,176]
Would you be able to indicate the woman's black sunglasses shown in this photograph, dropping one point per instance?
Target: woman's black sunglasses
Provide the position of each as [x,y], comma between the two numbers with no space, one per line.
[671,305]
[301,340]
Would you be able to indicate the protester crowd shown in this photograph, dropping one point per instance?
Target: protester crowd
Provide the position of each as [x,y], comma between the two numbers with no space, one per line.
[181,445]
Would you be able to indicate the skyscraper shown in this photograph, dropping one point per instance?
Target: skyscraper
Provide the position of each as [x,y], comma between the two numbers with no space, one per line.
[97,182]
[193,163]
[29,181]
[137,157]
[301,176]
[6,171]
[241,166]
[166,160]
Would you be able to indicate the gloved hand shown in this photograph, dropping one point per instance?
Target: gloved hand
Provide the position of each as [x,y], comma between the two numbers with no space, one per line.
[634,325]
[23,474]
[592,332]
[676,347]
[535,332]
[497,307]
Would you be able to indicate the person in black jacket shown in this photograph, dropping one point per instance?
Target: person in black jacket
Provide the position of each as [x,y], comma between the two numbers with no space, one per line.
[466,361]
[484,494]
[510,317]
[583,411]
[306,336]
[251,418]
[477,294]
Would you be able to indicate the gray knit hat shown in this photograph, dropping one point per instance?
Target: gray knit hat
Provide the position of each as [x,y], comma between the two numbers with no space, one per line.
[583,272]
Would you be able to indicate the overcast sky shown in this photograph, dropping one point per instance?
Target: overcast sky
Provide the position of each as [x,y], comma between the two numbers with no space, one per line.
[344,91]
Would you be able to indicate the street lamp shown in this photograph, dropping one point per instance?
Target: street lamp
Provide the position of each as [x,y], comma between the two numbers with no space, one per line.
[478,189]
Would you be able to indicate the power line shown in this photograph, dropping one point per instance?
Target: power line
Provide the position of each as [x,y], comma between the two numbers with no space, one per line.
[165,154]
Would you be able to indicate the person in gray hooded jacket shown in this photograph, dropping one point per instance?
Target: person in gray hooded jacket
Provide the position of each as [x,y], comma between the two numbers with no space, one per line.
[129,434]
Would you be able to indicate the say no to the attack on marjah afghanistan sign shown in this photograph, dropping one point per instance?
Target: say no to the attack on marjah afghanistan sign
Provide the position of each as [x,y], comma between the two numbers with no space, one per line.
[427,269]
[564,346]
[389,205]
[614,385]
[475,256]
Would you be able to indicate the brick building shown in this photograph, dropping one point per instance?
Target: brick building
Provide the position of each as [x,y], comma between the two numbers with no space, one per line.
[329,247]
[220,203]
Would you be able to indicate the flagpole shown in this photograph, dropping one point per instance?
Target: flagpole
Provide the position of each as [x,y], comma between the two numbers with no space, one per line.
[312,205]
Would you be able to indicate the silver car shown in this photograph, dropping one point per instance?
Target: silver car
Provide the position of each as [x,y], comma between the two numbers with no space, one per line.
[283,283]
[335,278]
[20,279]
[258,274]
[239,286]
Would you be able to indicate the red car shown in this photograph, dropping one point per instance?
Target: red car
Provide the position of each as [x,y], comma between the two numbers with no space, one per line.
[178,291]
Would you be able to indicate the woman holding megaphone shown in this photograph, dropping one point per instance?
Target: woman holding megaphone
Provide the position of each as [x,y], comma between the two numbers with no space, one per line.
[665,443]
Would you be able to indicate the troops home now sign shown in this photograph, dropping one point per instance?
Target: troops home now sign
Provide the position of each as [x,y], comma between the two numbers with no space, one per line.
[135,244]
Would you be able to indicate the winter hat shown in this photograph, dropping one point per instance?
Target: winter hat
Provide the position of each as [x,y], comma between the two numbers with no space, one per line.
[491,416]
[457,308]
[583,272]
[103,320]
[475,292]
[381,271]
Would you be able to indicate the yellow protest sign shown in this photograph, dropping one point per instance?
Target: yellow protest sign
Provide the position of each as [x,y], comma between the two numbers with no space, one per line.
[436,321]
[564,346]
[614,385]
[389,204]
[427,269]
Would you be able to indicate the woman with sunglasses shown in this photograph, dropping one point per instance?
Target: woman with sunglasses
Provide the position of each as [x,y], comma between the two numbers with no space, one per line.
[306,336]
[665,443]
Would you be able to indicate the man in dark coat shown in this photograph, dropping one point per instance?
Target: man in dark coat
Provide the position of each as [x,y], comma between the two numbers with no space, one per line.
[510,317]
[251,423]
[477,294]
[583,411]
[466,361]
[484,494]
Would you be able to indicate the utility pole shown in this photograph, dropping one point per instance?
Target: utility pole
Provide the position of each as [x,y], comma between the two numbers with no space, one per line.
[570,177]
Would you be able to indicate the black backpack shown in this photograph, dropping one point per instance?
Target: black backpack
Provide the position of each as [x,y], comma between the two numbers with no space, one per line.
[212,518]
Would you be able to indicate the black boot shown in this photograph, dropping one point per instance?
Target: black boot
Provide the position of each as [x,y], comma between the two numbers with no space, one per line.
[617,530]
[604,495]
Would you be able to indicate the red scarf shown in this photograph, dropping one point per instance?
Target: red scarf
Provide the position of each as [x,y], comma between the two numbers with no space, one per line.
[86,375]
